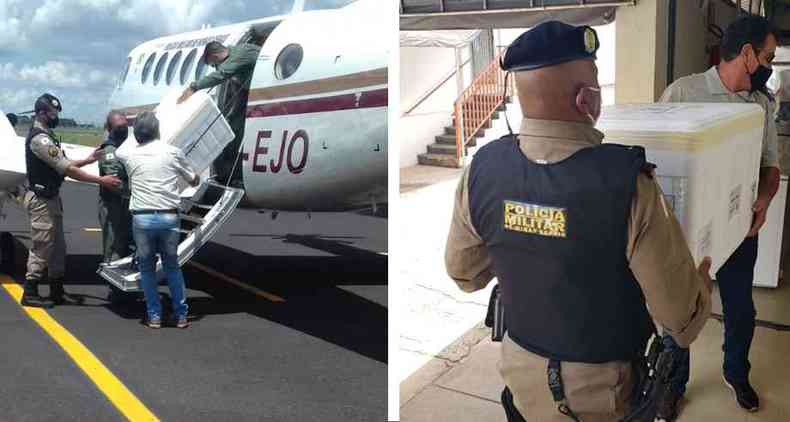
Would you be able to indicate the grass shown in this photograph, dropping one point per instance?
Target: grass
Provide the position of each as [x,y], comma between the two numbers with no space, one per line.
[90,137]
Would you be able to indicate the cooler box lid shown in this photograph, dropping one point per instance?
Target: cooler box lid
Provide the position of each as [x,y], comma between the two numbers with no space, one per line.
[684,126]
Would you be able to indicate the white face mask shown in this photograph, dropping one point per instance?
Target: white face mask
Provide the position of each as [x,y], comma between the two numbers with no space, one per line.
[588,101]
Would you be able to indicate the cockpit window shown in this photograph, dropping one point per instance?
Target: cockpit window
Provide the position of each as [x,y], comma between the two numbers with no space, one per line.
[159,68]
[187,66]
[125,71]
[171,69]
[325,4]
[147,68]
[288,61]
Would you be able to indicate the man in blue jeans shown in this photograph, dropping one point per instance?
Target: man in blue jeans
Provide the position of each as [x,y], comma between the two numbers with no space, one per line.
[154,169]
[748,47]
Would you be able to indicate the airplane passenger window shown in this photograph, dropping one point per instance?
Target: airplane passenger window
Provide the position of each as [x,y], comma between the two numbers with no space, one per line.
[288,61]
[201,69]
[160,66]
[171,69]
[147,68]
[187,66]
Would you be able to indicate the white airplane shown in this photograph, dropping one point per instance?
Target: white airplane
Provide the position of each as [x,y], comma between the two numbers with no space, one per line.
[315,137]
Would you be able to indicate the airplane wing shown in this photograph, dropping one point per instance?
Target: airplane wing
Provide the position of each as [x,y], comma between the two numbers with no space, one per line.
[12,160]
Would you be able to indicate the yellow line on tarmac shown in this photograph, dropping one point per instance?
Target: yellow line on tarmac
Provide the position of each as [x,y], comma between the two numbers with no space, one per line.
[123,399]
[266,295]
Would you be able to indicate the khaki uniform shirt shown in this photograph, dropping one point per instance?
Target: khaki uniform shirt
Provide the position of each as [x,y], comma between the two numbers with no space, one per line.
[45,149]
[658,257]
[708,88]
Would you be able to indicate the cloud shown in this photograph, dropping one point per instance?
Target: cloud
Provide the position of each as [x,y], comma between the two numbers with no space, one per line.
[10,24]
[17,100]
[76,49]
[56,74]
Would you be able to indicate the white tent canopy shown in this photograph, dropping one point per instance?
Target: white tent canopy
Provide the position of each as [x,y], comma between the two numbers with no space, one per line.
[444,39]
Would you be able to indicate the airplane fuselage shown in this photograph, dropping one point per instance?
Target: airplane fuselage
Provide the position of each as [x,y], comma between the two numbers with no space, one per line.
[315,135]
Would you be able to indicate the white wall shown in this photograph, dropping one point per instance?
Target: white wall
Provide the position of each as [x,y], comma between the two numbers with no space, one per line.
[421,69]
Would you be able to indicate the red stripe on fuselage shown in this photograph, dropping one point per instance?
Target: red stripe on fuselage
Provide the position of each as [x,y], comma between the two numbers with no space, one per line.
[368,99]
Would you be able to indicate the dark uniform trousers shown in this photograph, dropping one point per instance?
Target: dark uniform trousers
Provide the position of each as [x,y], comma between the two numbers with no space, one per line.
[116,224]
[234,107]
[735,279]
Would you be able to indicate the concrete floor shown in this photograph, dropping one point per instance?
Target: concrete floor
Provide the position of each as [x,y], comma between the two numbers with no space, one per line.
[462,382]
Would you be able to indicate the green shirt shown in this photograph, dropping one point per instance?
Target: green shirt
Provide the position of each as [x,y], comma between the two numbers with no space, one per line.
[239,65]
[109,164]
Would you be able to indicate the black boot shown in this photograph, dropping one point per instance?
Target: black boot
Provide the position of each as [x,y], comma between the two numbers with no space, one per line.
[60,297]
[31,298]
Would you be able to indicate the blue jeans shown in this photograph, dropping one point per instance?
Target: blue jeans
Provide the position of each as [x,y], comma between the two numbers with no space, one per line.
[158,234]
[735,280]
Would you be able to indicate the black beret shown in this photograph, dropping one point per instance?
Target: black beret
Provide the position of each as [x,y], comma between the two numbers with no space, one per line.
[47,102]
[549,44]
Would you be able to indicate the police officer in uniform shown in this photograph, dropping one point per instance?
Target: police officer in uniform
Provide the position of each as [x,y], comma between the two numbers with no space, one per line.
[47,166]
[114,215]
[235,64]
[579,236]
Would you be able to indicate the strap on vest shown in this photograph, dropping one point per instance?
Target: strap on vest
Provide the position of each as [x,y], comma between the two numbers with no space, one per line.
[557,391]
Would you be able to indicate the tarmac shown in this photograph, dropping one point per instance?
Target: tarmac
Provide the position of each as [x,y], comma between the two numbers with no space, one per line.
[319,354]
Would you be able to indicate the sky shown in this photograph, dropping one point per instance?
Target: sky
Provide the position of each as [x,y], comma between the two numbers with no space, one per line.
[76,49]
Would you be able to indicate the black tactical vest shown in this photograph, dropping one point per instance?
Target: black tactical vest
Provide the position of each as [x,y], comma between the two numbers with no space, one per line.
[44,180]
[557,236]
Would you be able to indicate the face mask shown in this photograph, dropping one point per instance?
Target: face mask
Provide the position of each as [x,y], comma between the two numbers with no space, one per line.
[53,122]
[119,134]
[759,78]
[589,100]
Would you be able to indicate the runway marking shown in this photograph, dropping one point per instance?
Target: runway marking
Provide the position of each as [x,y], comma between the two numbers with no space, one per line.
[92,229]
[266,295]
[123,399]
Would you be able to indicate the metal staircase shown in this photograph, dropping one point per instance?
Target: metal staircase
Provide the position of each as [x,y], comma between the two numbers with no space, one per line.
[442,153]
[203,212]
[474,110]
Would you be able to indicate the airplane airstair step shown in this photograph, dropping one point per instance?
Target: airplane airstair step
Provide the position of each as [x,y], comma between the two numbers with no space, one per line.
[199,223]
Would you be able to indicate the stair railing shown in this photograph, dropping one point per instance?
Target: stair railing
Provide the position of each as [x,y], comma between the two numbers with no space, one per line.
[476,104]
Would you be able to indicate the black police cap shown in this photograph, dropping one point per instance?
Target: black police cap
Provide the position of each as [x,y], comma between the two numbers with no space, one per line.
[549,44]
[47,102]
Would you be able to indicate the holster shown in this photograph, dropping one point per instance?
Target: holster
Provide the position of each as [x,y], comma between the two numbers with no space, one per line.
[46,192]
[495,315]
[654,381]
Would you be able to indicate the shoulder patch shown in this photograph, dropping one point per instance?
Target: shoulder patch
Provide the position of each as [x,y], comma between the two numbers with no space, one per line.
[535,219]
[109,156]
[53,151]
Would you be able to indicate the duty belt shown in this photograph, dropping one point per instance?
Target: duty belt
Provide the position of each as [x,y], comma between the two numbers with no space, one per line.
[652,373]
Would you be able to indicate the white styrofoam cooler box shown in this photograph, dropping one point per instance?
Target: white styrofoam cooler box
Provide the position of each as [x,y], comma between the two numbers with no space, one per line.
[183,124]
[708,159]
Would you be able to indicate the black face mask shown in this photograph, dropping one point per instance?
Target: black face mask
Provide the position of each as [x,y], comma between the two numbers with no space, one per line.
[759,78]
[53,122]
[119,134]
